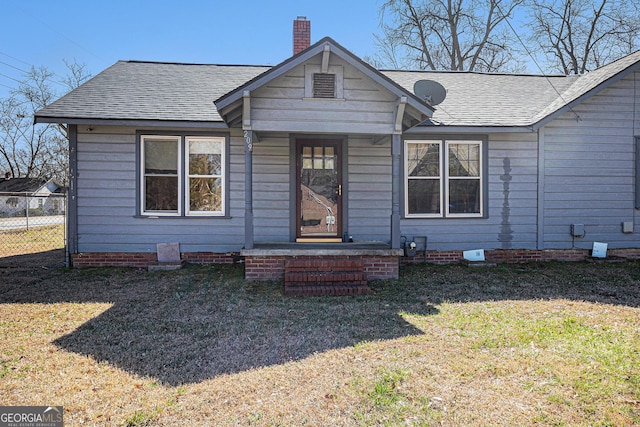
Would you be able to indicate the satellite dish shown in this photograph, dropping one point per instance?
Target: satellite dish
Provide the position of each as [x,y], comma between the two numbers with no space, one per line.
[430,91]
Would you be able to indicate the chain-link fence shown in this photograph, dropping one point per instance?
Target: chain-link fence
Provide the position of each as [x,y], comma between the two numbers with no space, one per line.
[31,223]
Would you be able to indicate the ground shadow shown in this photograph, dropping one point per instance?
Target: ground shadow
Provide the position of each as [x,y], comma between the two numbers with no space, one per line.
[30,268]
[202,322]
[614,282]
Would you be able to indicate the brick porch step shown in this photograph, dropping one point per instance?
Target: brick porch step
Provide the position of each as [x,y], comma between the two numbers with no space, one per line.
[317,276]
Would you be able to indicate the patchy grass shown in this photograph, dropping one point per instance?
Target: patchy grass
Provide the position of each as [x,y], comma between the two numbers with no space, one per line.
[35,239]
[537,344]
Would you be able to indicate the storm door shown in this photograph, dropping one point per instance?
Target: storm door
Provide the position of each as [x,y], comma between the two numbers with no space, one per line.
[319,190]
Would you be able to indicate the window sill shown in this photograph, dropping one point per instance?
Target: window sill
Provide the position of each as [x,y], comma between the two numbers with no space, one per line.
[475,216]
[182,217]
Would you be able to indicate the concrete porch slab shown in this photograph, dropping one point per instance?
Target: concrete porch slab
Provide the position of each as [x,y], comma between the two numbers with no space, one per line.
[322,249]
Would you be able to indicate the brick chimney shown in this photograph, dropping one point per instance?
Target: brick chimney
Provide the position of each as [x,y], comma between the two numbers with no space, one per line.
[301,34]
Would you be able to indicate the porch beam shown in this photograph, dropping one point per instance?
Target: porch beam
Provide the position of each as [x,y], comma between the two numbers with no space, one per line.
[396,176]
[402,103]
[246,109]
[325,59]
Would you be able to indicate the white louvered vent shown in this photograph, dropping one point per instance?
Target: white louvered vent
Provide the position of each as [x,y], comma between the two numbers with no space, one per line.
[324,85]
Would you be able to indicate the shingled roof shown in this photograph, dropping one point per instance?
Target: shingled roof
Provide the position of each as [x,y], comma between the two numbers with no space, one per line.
[21,185]
[134,91]
[154,91]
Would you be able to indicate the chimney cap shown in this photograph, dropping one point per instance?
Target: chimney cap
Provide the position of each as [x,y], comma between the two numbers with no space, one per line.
[301,18]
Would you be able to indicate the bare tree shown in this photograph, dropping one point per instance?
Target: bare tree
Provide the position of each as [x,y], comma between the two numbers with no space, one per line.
[28,150]
[581,35]
[463,35]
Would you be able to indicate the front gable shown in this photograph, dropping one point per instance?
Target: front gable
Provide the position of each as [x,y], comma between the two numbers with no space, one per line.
[323,89]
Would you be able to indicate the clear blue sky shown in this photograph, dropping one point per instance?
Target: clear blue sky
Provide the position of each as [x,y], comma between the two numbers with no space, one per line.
[99,33]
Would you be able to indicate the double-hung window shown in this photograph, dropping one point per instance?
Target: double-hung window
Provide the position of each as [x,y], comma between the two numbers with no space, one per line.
[443,178]
[182,175]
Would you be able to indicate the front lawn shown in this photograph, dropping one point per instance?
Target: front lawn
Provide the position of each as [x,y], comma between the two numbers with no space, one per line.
[530,345]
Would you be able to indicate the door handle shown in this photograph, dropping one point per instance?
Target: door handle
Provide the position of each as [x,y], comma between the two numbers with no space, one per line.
[339,190]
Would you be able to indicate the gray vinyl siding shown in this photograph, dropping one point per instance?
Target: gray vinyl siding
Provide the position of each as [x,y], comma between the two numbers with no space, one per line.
[271,190]
[590,170]
[510,222]
[369,189]
[281,105]
[107,193]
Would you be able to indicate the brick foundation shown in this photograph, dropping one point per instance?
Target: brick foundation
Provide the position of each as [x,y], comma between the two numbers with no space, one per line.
[513,256]
[144,259]
[375,267]
[113,259]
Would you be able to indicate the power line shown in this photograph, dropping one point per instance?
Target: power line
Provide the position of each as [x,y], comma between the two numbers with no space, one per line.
[15,59]
[61,83]
[14,67]
[10,78]
[506,19]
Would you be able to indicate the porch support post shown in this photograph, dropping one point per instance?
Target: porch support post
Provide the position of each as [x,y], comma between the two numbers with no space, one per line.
[248,189]
[248,171]
[396,176]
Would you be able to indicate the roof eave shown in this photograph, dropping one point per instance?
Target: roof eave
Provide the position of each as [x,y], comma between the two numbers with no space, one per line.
[585,96]
[470,129]
[132,122]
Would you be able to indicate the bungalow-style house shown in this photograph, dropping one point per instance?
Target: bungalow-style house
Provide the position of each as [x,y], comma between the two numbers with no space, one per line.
[40,196]
[324,162]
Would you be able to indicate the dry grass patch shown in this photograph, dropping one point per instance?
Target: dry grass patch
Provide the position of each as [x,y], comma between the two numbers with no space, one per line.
[540,344]
[35,239]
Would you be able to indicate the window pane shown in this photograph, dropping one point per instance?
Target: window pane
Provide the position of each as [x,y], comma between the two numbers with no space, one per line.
[424,196]
[464,160]
[317,163]
[205,164]
[205,157]
[161,193]
[205,194]
[423,159]
[160,156]
[464,196]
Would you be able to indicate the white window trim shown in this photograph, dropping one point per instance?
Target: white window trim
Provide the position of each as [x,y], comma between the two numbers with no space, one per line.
[444,177]
[448,178]
[407,178]
[143,181]
[222,175]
